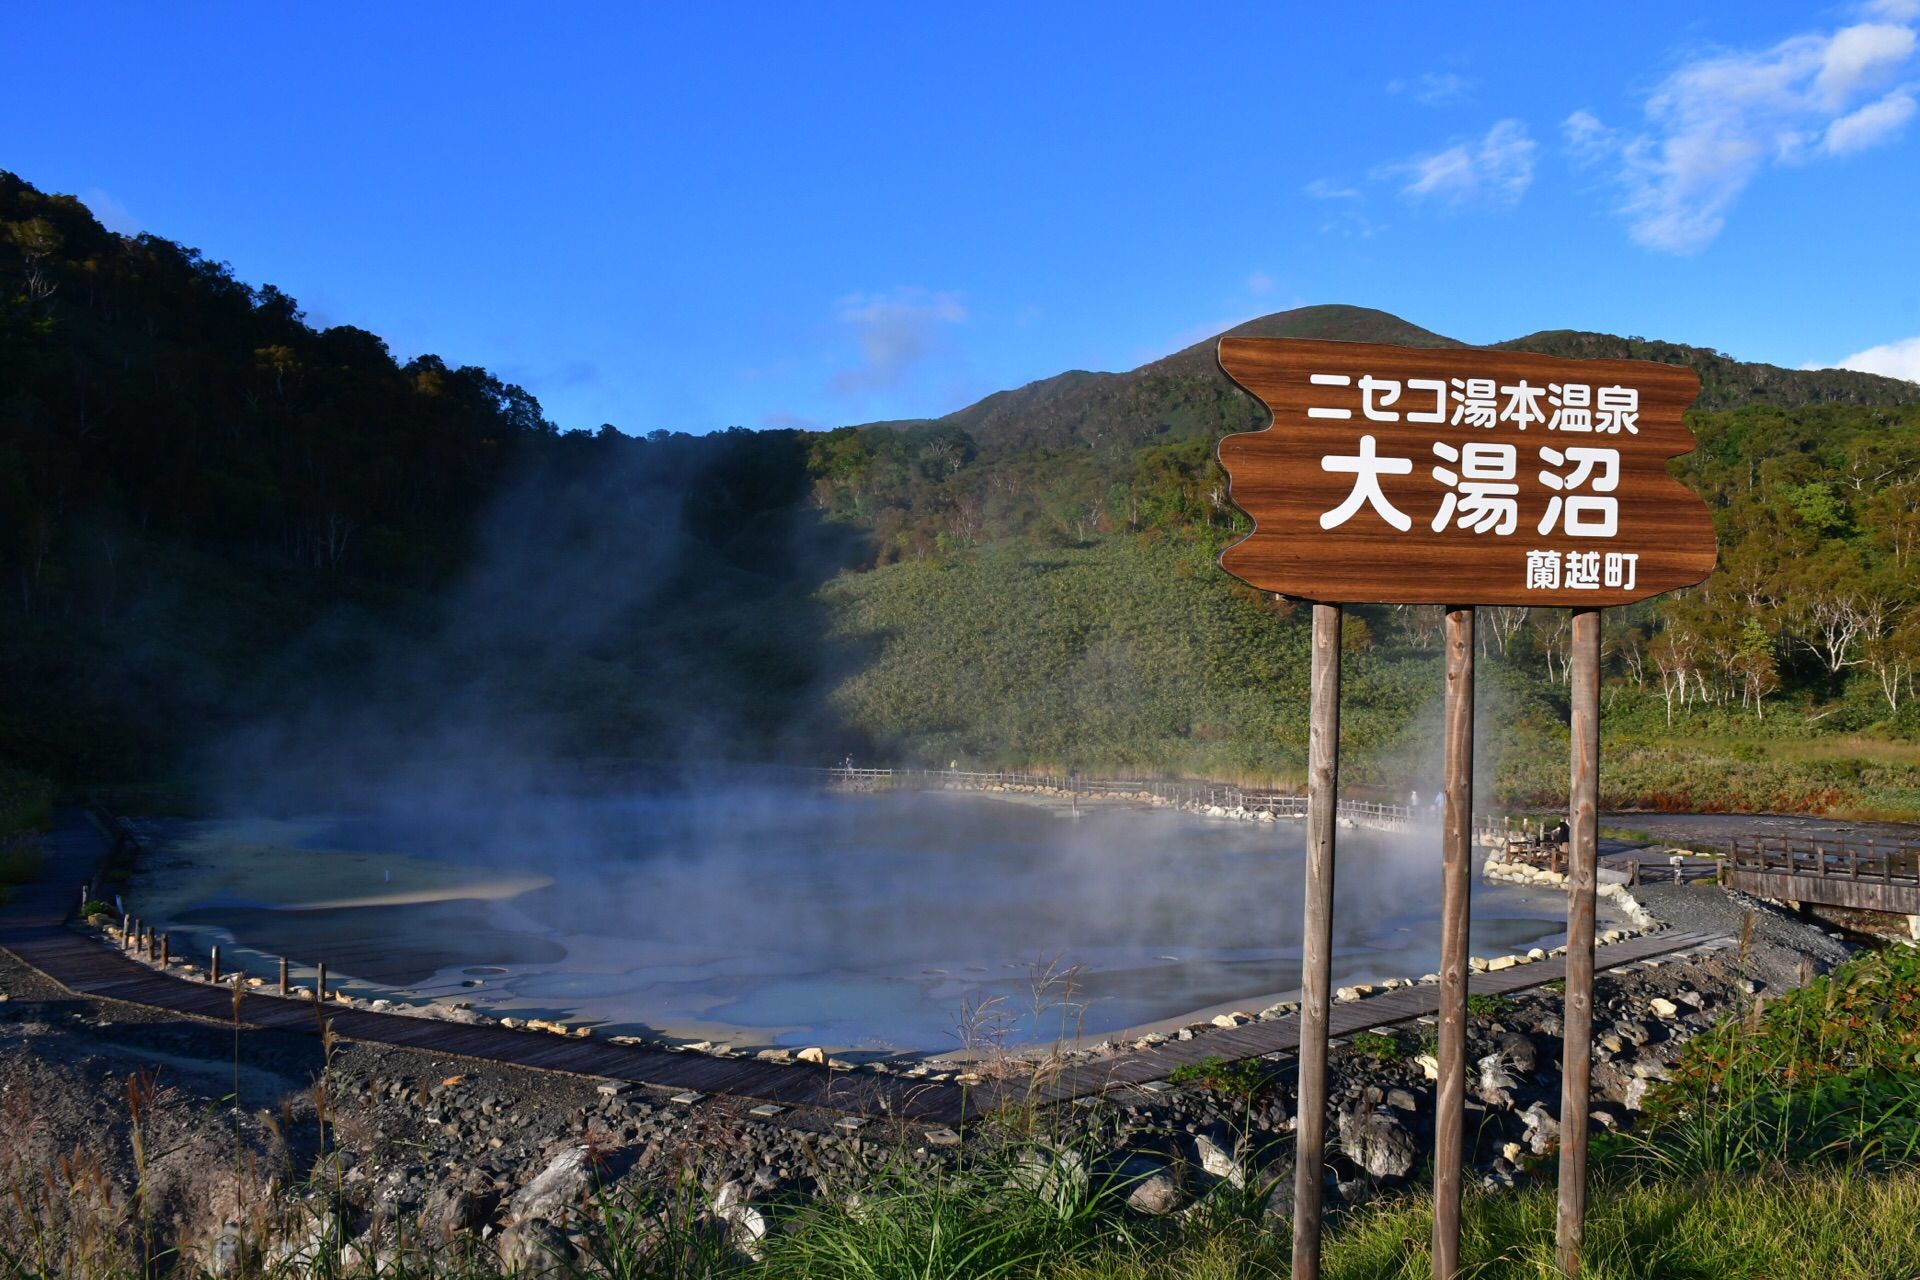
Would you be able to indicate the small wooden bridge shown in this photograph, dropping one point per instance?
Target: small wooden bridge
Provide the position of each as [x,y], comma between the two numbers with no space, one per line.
[1868,875]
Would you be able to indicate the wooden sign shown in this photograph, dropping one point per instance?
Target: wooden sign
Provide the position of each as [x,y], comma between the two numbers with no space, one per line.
[1458,475]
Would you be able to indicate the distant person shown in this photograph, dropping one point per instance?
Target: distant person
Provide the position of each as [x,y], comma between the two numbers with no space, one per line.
[1560,833]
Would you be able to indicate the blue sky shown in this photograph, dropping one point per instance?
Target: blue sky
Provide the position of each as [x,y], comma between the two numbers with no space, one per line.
[698,216]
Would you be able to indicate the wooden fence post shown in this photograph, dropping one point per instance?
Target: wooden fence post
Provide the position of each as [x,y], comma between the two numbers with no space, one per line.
[1316,941]
[1450,1114]
[1576,1048]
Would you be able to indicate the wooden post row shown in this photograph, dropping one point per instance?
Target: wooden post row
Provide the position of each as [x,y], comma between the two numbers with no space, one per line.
[1316,940]
[1456,886]
[1576,1046]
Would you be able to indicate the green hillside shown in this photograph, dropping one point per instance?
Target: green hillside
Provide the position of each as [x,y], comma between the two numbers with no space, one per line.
[227,536]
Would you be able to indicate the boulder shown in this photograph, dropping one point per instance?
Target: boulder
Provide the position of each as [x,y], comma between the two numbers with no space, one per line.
[533,1250]
[1495,1084]
[1375,1140]
[1663,1007]
[1149,1186]
[1518,1051]
[1218,1156]
[813,1054]
[555,1189]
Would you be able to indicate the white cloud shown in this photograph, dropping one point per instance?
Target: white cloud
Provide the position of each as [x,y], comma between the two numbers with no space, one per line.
[1871,125]
[1328,189]
[895,331]
[1893,10]
[1717,121]
[1497,169]
[1893,359]
[1434,88]
[1585,137]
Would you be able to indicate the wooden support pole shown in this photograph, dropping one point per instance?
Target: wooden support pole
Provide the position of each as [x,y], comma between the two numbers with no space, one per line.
[283,975]
[213,966]
[166,950]
[1316,941]
[1450,1114]
[1576,1050]
[320,983]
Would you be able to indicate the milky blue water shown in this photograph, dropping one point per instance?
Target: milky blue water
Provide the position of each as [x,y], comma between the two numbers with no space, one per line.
[860,922]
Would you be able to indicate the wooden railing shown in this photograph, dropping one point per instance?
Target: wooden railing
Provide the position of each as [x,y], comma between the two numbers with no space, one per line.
[1838,858]
[1205,794]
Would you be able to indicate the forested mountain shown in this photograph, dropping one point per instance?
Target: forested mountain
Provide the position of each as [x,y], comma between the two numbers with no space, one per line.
[224,529]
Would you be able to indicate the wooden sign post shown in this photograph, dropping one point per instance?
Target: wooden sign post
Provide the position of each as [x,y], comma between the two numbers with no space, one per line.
[1461,477]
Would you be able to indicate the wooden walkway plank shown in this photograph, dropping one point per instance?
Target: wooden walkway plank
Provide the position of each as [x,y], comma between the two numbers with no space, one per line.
[1392,1008]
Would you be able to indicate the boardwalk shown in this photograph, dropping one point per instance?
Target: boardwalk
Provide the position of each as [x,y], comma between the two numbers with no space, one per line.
[1282,1036]
[33,929]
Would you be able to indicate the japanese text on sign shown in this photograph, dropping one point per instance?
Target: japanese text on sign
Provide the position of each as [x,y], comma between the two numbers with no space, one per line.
[1479,480]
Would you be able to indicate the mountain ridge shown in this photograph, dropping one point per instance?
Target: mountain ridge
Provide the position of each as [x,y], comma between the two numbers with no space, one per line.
[1185,393]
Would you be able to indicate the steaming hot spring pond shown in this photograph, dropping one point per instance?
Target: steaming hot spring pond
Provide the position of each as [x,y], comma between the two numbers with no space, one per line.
[774,917]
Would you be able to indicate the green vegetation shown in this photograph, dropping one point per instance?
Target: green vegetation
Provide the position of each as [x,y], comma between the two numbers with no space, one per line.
[26,807]
[1378,1045]
[1244,1078]
[1481,1004]
[1828,1073]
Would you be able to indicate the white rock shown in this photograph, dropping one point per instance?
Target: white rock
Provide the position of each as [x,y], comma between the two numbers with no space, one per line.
[1663,1007]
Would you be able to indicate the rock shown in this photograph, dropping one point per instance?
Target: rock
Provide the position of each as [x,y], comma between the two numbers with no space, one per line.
[227,1254]
[1636,1095]
[1502,962]
[1428,1064]
[533,1250]
[1634,1033]
[1150,1186]
[1663,1007]
[1279,1207]
[555,1189]
[1230,1019]
[1354,992]
[1543,1128]
[1402,1100]
[774,1055]
[1693,998]
[1535,955]
[747,1226]
[1494,1083]
[454,1208]
[1375,1140]
[813,1054]
[1057,1177]
[1518,1052]
[1217,1155]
